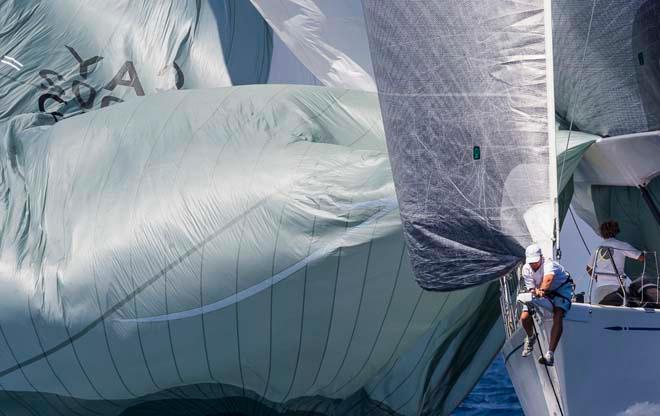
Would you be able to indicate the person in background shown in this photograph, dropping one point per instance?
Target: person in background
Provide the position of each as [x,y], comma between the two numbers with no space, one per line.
[610,265]
[552,289]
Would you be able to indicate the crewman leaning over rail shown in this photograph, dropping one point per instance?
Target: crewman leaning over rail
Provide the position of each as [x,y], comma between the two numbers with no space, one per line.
[550,287]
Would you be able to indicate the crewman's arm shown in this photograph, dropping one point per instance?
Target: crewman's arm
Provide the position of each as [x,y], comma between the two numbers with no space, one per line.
[547,281]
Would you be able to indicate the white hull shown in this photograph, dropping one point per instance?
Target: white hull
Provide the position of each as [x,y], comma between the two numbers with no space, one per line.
[606,363]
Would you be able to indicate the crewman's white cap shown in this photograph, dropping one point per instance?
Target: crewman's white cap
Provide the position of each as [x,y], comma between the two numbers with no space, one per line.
[532,254]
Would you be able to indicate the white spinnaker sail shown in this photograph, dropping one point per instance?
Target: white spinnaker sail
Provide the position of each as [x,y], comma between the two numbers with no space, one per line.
[213,244]
[223,38]
[73,56]
[70,57]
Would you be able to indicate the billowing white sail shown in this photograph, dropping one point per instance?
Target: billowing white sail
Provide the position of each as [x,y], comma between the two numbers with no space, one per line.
[216,244]
[74,56]
[101,204]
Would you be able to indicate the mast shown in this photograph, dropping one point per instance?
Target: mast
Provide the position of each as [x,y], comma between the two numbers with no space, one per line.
[552,141]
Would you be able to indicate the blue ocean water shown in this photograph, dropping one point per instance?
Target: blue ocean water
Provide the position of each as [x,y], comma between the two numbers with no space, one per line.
[493,395]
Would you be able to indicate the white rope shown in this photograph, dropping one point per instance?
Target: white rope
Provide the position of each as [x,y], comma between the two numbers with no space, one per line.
[577,227]
[643,274]
[657,281]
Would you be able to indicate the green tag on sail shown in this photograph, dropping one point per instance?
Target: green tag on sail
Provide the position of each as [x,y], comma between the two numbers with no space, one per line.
[476,153]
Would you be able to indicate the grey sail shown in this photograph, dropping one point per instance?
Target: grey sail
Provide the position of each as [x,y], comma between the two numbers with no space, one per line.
[607,72]
[607,79]
[463,87]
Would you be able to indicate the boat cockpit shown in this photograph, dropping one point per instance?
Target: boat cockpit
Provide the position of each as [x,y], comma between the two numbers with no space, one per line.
[610,285]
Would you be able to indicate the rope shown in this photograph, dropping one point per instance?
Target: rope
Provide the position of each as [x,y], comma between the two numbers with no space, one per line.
[643,274]
[570,104]
[657,271]
[577,227]
[554,392]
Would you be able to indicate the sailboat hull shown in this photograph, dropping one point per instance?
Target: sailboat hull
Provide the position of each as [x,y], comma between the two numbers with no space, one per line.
[605,364]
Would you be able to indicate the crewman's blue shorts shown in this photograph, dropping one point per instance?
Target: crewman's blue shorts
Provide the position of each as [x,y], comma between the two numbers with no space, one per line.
[557,301]
[563,302]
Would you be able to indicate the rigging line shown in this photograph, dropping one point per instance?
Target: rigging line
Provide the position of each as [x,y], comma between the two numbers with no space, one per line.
[657,293]
[554,392]
[577,84]
[577,227]
[643,273]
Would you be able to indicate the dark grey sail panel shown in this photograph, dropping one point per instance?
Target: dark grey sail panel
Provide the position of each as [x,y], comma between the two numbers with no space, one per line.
[607,74]
[456,77]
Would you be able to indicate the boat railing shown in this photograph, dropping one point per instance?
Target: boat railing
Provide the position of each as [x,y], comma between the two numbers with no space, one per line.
[606,254]
[651,278]
[511,283]
[511,308]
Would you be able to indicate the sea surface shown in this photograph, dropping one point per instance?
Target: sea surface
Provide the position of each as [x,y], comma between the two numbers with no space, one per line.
[493,395]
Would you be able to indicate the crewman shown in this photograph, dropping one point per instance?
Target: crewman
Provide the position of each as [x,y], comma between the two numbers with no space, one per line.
[610,261]
[552,288]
